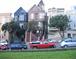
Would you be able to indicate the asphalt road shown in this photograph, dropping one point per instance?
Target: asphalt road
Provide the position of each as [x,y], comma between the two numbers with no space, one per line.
[38,50]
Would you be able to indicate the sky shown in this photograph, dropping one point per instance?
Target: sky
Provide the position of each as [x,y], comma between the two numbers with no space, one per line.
[12,5]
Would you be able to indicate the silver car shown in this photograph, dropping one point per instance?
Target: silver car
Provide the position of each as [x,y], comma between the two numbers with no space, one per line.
[3,42]
[68,43]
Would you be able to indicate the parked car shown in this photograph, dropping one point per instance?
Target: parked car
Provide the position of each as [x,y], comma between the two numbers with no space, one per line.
[3,47]
[44,44]
[3,44]
[51,40]
[69,42]
[54,40]
[17,45]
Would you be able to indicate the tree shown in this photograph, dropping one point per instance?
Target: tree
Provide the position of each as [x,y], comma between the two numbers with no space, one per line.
[60,22]
[12,27]
[32,26]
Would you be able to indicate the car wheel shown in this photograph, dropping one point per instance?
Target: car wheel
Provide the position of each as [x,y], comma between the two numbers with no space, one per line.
[65,46]
[34,47]
[52,46]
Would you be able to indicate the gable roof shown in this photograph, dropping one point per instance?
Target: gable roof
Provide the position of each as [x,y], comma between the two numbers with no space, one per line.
[19,11]
[32,7]
[36,8]
[41,3]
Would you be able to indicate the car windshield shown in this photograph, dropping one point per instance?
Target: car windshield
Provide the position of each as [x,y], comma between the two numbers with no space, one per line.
[3,41]
[36,43]
[49,39]
[65,39]
[68,40]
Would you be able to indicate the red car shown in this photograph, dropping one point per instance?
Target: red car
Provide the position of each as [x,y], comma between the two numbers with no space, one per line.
[42,44]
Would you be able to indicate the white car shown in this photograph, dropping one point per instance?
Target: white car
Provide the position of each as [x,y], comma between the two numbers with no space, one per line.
[68,43]
[53,40]
[3,42]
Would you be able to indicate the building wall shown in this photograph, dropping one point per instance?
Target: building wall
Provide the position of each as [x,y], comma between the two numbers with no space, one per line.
[70,34]
[21,16]
[53,12]
[37,13]
[4,18]
[72,18]
[72,24]
[56,11]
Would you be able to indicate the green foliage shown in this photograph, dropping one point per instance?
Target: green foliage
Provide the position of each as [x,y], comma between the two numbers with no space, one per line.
[20,33]
[5,27]
[11,27]
[59,21]
[32,26]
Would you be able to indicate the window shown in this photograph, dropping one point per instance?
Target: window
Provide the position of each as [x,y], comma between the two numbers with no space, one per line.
[41,15]
[68,41]
[69,35]
[15,18]
[21,18]
[21,24]
[32,16]
[40,24]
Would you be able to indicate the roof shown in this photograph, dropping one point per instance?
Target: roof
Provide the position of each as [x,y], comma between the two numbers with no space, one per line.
[19,11]
[41,2]
[32,7]
[36,8]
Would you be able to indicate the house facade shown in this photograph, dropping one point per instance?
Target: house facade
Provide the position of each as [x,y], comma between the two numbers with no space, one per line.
[53,33]
[38,14]
[4,18]
[21,16]
[71,31]
[71,14]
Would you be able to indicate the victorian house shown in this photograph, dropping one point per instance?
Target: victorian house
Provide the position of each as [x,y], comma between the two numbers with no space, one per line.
[38,14]
[21,16]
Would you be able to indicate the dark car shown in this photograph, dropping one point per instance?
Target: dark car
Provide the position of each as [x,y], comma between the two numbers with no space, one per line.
[17,45]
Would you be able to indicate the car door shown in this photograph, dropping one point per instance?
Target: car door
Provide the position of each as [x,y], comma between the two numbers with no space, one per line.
[69,43]
[43,45]
[46,45]
[74,43]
